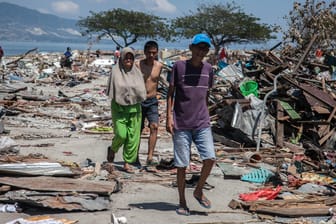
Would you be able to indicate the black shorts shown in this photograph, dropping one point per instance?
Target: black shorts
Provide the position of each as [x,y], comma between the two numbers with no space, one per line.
[150,111]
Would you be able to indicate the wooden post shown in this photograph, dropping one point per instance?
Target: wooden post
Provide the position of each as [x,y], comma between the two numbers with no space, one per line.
[279,125]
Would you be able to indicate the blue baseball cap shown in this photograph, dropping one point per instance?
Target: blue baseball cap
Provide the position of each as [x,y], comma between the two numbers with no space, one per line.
[201,38]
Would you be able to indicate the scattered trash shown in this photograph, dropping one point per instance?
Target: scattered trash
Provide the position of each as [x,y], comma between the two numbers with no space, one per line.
[249,87]
[260,175]
[118,220]
[41,220]
[10,208]
[263,194]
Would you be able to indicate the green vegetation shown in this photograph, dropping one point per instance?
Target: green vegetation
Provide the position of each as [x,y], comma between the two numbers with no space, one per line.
[223,23]
[124,27]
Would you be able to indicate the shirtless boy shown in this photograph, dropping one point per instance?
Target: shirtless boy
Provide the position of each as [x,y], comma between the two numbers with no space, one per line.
[151,70]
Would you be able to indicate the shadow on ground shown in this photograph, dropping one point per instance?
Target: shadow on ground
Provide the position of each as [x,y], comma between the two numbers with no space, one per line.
[163,206]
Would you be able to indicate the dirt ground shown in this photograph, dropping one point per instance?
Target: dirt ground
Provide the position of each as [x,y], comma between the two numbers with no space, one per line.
[140,202]
[143,203]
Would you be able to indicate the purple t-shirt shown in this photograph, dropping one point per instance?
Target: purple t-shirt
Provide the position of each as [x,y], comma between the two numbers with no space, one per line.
[190,102]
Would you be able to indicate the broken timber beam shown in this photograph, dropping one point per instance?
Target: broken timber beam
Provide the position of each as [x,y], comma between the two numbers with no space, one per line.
[305,53]
[279,125]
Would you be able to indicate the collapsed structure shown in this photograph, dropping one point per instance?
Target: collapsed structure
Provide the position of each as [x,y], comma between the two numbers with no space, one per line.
[271,114]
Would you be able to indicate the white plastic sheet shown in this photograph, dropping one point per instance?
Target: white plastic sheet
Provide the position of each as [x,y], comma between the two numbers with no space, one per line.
[231,73]
[246,121]
[7,144]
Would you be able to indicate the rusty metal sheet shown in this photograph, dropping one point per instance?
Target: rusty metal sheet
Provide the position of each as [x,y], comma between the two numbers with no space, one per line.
[62,184]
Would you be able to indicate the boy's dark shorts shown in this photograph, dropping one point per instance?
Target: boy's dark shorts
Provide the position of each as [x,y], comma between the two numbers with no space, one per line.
[150,110]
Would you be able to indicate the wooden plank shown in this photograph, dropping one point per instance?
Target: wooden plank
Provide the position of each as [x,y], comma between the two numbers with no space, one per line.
[310,206]
[323,130]
[332,114]
[327,136]
[294,148]
[269,75]
[42,183]
[319,94]
[331,201]
[320,109]
[305,52]
[5,188]
[326,128]
[313,92]
[314,102]
[320,210]
[324,89]
[279,125]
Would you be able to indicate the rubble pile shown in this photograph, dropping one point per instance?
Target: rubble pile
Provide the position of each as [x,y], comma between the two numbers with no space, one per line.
[275,116]
[273,120]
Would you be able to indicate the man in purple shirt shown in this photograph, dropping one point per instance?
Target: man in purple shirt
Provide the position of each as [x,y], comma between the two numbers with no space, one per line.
[188,118]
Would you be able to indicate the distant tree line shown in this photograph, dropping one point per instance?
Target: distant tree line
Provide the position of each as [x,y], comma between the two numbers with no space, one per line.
[224,23]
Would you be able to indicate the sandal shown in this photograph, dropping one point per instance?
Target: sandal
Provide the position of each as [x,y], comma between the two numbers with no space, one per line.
[183,211]
[203,201]
[110,155]
[128,170]
[151,163]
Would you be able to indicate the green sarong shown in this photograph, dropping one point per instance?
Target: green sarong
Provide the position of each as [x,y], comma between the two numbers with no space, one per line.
[126,126]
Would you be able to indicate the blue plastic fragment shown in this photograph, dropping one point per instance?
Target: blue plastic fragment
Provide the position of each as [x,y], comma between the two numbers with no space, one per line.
[260,175]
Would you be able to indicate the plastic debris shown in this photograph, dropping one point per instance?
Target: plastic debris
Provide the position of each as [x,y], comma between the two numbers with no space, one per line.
[260,175]
[118,220]
[9,208]
[263,194]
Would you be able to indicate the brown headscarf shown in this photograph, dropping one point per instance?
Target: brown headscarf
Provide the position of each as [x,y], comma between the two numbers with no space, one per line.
[126,87]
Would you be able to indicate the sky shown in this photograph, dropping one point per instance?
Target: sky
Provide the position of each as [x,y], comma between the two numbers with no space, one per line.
[269,11]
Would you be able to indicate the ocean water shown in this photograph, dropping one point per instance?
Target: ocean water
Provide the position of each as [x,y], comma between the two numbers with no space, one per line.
[13,48]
